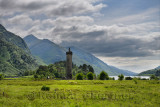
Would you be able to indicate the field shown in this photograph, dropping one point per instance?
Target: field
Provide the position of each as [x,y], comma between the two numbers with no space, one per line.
[25,92]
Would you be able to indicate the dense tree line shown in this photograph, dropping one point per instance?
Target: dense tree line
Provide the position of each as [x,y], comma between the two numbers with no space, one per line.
[58,71]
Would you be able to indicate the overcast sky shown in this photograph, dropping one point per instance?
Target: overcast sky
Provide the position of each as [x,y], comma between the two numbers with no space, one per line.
[122,33]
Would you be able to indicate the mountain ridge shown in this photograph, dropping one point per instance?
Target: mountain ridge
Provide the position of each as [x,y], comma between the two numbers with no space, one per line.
[149,72]
[79,56]
[15,56]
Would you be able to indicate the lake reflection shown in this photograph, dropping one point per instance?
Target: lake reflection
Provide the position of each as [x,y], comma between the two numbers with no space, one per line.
[146,77]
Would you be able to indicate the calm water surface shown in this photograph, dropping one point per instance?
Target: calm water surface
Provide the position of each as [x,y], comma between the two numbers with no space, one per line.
[146,77]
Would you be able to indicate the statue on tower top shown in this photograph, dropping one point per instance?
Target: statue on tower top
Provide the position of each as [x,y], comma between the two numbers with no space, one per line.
[69,52]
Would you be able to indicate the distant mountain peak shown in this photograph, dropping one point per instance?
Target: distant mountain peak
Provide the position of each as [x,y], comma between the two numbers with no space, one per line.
[50,52]
[31,37]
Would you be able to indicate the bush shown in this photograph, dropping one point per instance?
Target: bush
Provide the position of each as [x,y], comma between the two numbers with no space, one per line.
[135,80]
[120,77]
[79,76]
[35,76]
[104,76]
[1,76]
[90,76]
[111,78]
[128,78]
[152,77]
[44,88]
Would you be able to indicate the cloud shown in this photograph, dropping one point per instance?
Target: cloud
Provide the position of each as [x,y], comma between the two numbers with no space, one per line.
[115,40]
[87,24]
[52,8]
[135,64]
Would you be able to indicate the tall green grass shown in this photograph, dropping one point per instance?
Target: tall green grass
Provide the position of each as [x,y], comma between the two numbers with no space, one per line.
[25,92]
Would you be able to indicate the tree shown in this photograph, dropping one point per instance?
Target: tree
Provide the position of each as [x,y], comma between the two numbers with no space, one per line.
[35,76]
[90,76]
[91,69]
[1,76]
[128,78]
[152,77]
[84,67]
[103,76]
[79,76]
[42,68]
[120,77]
[107,77]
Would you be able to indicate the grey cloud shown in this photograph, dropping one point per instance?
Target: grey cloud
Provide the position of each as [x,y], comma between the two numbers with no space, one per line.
[111,45]
[50,7]
[5,4]
[121,47]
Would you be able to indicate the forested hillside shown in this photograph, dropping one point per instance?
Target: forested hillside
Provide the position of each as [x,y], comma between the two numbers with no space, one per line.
[155,72]
[15,56]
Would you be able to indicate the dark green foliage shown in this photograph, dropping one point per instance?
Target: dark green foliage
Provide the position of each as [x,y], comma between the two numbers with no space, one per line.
[111,78]
[120,77]
[135,80]
[128,78]
[1,76]
[79,76]
[152,77]
[35,76]
[150,72]
[91,69]
[44,88]
[14,54]
[56,71]
[90,76]
[103,76]
[85,69]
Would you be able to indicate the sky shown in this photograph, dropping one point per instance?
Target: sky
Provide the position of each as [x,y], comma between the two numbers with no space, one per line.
[122,33]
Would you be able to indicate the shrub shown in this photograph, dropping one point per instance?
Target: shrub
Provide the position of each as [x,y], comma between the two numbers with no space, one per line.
[135,80]
[152,77]
[120,77]
[111,78]
[90,76]
[44,88]
[1,76]
[128,78]
[79,76]
[35,76]
[103,76]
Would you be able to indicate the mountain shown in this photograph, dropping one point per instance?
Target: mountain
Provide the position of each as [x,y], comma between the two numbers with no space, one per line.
[149,72]
[157,67]
[15,56]
[50,52]
[97,64]
[45,50]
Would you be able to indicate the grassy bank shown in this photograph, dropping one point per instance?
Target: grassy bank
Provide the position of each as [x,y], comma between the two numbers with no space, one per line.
[79,93]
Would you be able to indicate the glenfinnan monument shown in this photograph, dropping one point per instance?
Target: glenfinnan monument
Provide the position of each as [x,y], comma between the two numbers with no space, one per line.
[69,64]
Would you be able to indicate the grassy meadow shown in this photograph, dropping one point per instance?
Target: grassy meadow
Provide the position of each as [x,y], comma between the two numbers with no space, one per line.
[25,92]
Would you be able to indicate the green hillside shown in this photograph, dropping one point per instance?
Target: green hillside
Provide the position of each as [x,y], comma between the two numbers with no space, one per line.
[15,56]
[155,71]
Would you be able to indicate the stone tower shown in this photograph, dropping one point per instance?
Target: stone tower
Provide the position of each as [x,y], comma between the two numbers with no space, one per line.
[69,64]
